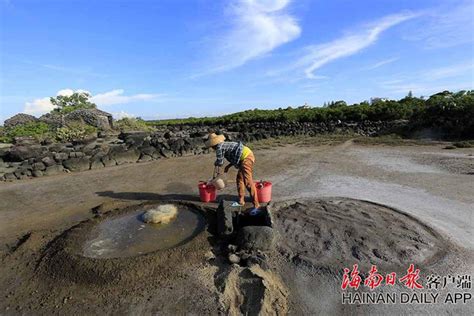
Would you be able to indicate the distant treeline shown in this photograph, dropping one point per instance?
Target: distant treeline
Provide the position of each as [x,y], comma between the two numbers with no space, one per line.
[452,113]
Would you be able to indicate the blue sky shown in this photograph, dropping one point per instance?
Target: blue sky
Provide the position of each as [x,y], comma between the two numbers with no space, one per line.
[180,58]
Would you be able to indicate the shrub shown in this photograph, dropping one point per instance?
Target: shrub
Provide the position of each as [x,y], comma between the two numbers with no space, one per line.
[452,113]
[133,124]
[38,130]
[3,136]
[74,131]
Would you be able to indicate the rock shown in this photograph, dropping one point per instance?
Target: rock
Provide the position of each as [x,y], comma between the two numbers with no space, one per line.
[209,255]
[77,164]
[48,161]
[20,153]
[148,150]
[9,176]
[22,173]
[25,140]
[85,140]
[6,169]
[76,154]
[93,117]
[67,150]
[166,153]
[56,147]
[37,173]
[232,248]
[134,138]
[61,156]
[96,164]
[254,259]
[47,141]
[225,225]
[77,147]
[53,170]
[128,156]
[19,119]
[145,158]
[233,258]
[56,120]
[107,134]
[256,238]
[38,166]
[107,161]
[103,149]
[90,149]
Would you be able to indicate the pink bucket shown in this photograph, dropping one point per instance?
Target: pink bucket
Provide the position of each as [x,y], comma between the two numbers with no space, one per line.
[207,192]
[264,191]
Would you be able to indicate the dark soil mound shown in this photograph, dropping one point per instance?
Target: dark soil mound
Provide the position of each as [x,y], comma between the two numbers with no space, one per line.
[338,232]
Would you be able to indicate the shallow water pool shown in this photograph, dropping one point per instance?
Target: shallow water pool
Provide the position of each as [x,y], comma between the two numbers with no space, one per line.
[127,235]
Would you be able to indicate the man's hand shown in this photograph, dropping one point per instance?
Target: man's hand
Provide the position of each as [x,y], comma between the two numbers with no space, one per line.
[226,169]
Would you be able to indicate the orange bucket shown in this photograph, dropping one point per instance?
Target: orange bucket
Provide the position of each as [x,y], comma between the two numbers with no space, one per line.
[207,192]
[264,191]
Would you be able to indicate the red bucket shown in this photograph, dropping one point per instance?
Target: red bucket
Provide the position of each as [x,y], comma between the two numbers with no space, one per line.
[264,191]
[207,192]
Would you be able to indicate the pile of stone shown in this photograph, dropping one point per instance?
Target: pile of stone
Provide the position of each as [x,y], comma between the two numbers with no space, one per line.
[19,119]
[25,159]
[93,117]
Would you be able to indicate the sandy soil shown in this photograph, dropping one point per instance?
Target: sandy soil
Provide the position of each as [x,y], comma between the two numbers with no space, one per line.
[428,188]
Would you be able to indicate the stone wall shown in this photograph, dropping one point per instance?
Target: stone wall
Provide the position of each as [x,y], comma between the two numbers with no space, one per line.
[36,160]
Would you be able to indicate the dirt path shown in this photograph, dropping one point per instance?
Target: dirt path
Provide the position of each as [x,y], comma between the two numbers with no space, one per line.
[430,184]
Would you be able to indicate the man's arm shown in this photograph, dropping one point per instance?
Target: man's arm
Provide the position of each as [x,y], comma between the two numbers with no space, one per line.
[226,169]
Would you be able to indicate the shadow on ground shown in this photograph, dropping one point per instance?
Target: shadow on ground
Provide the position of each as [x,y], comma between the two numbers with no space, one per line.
[149,196]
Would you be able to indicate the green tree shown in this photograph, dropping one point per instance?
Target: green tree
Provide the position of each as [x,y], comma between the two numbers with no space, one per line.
[77,100]
[337,104]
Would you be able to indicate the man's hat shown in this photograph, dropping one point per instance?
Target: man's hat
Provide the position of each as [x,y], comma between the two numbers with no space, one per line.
[214,139]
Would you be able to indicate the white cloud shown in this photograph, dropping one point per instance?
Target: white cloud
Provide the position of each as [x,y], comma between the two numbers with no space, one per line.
[117,97]
[450,71]
[121,114]
[427,88]
[69,92]
[43,105]
[433,80]
[447,26]
[382,63]
[38,106]
[320,55]
[257,28]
